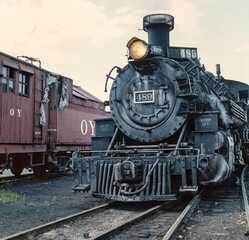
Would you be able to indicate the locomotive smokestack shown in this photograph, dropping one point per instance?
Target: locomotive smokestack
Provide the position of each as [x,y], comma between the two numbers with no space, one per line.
[158,27]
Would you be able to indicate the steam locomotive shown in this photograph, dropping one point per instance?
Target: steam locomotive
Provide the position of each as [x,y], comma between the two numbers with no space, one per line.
[174,125]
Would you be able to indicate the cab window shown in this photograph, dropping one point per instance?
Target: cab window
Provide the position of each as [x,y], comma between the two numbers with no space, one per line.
[8,79]
[23,84]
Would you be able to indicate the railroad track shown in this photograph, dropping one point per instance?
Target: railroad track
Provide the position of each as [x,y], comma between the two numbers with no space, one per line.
[244,188]
[27,177]
[141,220]
[220,213]
[9,180]
[33,233]
[160,224]
[114,220]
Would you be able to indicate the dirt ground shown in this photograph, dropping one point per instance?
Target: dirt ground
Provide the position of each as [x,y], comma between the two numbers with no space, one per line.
[43,201]
[216,221]
[220,215]
[50,199]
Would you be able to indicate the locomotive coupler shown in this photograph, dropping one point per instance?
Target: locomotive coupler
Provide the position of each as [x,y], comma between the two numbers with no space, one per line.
[127,171]
[147,178]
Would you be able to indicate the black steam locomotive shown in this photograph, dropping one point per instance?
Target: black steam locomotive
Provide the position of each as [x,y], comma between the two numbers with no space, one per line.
[174,125]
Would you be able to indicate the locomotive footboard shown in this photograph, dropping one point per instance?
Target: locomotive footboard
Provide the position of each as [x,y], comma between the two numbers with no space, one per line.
[141,177]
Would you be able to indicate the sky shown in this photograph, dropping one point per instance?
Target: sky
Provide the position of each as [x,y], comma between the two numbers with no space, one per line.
[84,39]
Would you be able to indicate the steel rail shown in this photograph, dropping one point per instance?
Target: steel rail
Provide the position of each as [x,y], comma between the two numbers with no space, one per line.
[186,212]
[42,228]
[128,222]
[28,177]
[245,199]
[13,179]
[9,177]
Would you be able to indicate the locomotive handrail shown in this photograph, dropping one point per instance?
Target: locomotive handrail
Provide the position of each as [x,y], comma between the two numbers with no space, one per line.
[227,93]
[195,65]
[229,96]
[109,76]
[182,145]
[142,151]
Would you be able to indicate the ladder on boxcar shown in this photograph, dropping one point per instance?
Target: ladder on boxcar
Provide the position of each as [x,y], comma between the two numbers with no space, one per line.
[38,95]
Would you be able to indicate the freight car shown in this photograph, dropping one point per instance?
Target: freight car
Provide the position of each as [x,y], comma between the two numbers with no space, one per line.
[43,117]
[174,125]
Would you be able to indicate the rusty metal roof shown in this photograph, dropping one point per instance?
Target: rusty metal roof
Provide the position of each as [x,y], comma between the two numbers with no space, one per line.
[81,93]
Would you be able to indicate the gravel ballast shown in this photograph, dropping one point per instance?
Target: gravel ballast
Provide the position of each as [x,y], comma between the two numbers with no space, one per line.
[42,202]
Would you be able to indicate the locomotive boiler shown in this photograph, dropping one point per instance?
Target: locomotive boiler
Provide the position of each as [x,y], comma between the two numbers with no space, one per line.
[174,125]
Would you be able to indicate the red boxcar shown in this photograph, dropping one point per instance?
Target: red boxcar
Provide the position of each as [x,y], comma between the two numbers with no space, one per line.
[43,117]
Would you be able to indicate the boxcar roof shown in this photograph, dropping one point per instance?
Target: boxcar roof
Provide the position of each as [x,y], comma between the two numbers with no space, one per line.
[24,62]
[77,91]
[81,93]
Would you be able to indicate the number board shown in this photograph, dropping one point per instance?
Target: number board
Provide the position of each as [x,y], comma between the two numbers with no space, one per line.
[182,53]
[144,96]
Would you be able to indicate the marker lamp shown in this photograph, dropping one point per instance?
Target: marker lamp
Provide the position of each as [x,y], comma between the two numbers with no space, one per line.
[137,48]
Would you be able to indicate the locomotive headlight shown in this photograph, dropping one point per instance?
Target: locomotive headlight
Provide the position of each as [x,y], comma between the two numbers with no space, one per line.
[137,48]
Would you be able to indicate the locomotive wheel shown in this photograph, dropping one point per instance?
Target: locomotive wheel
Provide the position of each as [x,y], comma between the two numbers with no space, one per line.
[16,167]
[39,171]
